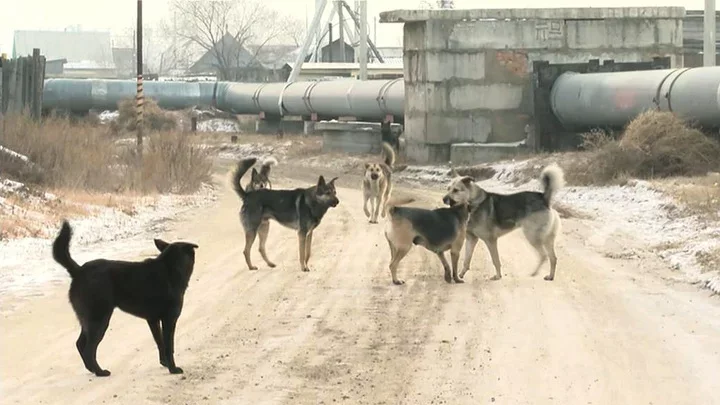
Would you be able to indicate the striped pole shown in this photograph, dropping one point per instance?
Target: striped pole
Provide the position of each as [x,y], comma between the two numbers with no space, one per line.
[139,98]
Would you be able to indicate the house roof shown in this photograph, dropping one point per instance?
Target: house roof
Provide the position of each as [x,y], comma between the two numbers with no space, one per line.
[82,49]
[229,46]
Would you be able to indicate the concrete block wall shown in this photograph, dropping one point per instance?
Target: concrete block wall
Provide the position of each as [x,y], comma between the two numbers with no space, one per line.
[468,73]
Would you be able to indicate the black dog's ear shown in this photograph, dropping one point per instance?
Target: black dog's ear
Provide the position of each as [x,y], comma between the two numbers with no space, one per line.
[191,246]
[467,180]
[254,173]
[321,181]
[332,181]
[161,245]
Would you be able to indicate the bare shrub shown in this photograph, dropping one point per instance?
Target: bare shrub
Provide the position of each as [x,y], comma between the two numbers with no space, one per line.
[83,157]
[154,118]
[655,144]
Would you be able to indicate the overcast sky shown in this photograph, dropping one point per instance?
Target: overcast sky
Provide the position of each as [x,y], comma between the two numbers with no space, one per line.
[117,15]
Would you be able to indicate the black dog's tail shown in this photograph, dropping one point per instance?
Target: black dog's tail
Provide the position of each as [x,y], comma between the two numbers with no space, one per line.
[389,154]
[266,165]
[243,166]
[61,250]
[552,179]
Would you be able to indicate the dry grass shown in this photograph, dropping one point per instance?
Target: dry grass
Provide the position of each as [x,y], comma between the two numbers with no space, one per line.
[154,118]
[696,195]
[654,145]
[81,156]
[709,260]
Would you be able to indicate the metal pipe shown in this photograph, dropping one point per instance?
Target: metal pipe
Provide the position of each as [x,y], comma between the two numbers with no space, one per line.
[614,99]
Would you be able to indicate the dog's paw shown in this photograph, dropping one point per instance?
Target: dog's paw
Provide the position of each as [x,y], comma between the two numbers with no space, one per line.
[176,370]
[272,265]
[549,278]
[102,373]
[252,268]
[398,282]
[495,277]
[458,280]
[306,269]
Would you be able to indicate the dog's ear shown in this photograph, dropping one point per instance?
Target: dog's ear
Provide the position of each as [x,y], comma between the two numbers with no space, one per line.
[254,174]
[190,247]
[467,181]
[367,165]
[321,181]
[161,245]
[332,181]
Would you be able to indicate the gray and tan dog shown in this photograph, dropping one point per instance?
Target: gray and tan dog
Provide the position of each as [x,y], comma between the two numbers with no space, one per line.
[436,230]
[261,179]
[377,184]
[300,209]
[494,215]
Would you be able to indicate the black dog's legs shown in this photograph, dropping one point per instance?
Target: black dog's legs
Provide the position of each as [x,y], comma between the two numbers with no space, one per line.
[446,267]
[263,232]
[157,335]
[250,235]
[168,329]
[93,336]
[80,344]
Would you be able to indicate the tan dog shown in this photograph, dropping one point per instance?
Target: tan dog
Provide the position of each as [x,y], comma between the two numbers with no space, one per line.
[377,184]
[494,215]
[436,230]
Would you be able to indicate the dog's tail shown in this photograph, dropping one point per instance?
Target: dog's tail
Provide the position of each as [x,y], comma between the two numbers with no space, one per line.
[243,166]
[61,250]
[267,164]
[389,154]
[395,202]
[552,179]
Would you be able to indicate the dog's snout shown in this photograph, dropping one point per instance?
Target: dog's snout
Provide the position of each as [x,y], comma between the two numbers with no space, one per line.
[335,202]
[374,176]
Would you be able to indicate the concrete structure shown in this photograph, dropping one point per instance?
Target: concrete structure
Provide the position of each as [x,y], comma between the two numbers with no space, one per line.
[468,73]
[352,137]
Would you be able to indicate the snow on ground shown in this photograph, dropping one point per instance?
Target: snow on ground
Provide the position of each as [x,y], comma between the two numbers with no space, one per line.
[107,232]
[218,125]
[108,116]
[636,210]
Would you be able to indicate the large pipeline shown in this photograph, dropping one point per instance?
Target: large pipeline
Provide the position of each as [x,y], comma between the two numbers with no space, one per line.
[371,99]
[614,99]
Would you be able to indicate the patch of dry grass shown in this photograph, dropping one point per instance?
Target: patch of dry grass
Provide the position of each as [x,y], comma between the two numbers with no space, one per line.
[696,195]
[709,260]
[654,145]
[154,118]
[81,156]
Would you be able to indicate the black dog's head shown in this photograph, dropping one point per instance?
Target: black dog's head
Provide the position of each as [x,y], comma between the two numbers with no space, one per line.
[180,256]
[325,192]
[258,181]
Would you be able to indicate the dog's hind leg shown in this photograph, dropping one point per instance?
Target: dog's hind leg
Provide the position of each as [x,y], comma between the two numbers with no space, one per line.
[94,335]
[80,343]
[400,252]
[168,329]
[157,336]
[302,250]
[455,257]
[492,247]
[470,243]
[263,232]
[550,248]
[249,240]
[386,197]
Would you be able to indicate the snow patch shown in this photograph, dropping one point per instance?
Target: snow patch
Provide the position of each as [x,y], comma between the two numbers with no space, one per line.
[218,125]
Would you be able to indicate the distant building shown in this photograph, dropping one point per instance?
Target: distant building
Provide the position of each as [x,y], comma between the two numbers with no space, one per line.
[390,54]
[693,38]
[334,52]
[125,65]
[87,54]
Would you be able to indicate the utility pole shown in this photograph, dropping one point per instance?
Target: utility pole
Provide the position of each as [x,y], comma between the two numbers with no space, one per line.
[709,37]
[363,40]
[139,98]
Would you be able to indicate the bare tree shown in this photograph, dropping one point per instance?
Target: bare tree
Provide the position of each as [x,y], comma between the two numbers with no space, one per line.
[225,29]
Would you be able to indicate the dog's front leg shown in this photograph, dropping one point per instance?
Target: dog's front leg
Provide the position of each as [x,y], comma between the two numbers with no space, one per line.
[366,197]
[302,241]
[376,207]
[492,247]
[168,329]
[157,336]
[446,266]
[454,259]
[470,243]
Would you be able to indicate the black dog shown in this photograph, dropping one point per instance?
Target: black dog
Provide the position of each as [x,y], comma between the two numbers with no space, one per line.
[301,209]
[153,290]
[389,137]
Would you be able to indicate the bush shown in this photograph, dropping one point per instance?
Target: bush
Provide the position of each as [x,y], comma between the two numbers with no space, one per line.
[83,156]
[154,118]
[655,144]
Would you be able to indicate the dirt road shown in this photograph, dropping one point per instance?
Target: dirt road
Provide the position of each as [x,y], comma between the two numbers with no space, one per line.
[606,331]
